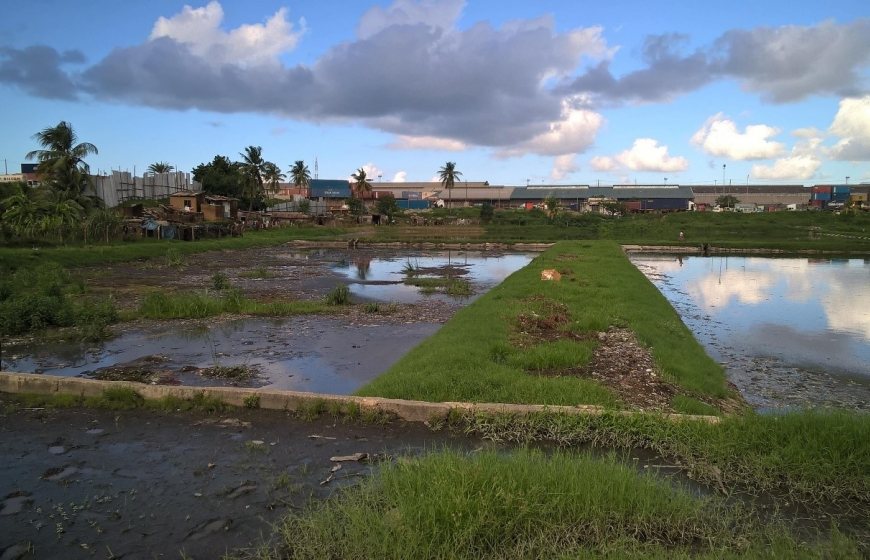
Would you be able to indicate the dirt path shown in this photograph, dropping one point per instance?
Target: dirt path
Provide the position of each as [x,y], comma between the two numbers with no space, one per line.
[78,483]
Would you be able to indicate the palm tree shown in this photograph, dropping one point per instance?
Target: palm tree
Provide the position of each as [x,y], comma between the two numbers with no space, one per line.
[252,167]
[300,175]
[272,176]
[62,159]
[448,175]
[160,167]
[361,184]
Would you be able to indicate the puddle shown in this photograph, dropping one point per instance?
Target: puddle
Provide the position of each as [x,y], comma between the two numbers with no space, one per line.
[329,354]
[791,332]
[382,278]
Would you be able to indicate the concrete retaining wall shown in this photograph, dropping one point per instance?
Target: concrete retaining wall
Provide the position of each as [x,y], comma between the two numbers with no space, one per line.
[412,411]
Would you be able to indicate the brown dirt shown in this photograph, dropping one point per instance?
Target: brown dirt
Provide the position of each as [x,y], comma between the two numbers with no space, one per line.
[619,361]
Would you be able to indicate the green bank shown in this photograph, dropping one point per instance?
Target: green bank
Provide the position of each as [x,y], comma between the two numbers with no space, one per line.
[524,341]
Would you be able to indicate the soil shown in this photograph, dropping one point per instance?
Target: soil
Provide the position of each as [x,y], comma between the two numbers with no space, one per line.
[78,483]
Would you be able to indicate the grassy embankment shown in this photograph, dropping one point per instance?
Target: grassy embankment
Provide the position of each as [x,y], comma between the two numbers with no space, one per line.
[787,231]
[487,352]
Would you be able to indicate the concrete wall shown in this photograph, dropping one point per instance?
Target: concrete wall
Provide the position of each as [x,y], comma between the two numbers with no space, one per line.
[412,411]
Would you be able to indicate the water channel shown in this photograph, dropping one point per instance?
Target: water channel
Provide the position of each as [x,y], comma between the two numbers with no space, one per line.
[322,353]
[791,332]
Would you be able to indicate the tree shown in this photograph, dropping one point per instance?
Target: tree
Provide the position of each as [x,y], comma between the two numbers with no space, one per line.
[615,208]
[272,176]
[62,157]
[360,182]
[356,207]
[448,175]
[486,212]
[221,177]
[727,201]
[160,167]
[252,169]
[300,175]
[388,207]
[551,203]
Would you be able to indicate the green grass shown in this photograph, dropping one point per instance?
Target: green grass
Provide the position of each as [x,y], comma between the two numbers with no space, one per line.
[449,286]
[528,505]
[88,255]
[116,398]
[815,457]
[339,295]
[197,305]
[470,358]
[260,272]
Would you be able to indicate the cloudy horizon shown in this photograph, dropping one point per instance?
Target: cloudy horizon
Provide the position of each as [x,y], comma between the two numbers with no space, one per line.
[512,95]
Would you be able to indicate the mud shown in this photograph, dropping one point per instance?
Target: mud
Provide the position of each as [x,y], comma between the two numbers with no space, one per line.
[78,483]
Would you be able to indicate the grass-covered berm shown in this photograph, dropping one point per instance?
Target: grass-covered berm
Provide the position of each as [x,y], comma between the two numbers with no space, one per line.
[535,341]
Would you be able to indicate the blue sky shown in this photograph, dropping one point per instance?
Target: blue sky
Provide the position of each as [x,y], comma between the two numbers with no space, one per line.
[513,91]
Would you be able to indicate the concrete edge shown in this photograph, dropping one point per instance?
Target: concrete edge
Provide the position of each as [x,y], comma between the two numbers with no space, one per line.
[364,243]
[271,399]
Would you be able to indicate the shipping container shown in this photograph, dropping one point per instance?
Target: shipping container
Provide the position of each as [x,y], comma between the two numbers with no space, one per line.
[841,189]
[413,204]
[822,189]
[822,196]
[412,195]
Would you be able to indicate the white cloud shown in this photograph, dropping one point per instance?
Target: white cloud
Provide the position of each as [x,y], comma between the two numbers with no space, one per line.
[437,14]
[719,136]
[373,173]
[646,155]
[249,44]
[572,134]
[400,177]
[563,166]
[428,143]
[603,163]
[852,125]
[802,163]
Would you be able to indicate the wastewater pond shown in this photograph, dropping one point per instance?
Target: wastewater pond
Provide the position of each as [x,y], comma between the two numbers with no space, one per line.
[791,332]
[336,353]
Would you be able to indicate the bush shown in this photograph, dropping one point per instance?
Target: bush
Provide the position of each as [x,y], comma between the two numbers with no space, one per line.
[220,281]
[340,295]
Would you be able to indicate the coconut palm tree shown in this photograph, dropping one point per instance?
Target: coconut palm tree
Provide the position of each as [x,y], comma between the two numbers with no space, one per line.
[448,175]
[272,176]
[62,159]
[300,175]
[252,167]
[360,182]
[160,167]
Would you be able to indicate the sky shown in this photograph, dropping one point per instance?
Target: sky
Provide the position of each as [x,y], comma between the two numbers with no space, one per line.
[514,92]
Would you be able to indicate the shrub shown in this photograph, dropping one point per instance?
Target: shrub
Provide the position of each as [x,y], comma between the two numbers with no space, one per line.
[340,295]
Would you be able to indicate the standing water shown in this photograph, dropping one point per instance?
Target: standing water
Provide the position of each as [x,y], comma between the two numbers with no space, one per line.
[791,332]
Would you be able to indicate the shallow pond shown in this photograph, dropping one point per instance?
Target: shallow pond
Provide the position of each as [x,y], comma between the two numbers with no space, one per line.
[330,354]
[791,332]
[384,278]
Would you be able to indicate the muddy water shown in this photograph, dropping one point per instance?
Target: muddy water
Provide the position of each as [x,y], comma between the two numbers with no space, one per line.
[790,332]
[331,354]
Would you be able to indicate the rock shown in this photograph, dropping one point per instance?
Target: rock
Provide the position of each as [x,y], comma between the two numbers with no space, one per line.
[15,502]
[354,457]
[57,450]
[16,551]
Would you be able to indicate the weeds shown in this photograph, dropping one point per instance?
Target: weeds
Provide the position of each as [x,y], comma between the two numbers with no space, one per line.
[252,401]
[340,295]
[174,258]
[220,281]
[198,305]
[261,272]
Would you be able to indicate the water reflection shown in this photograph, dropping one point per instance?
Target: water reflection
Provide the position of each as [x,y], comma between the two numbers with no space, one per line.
[381,277]
[806,315]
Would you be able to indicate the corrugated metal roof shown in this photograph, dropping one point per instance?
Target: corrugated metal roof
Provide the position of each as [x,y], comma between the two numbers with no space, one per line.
[627,192]
[540,193]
